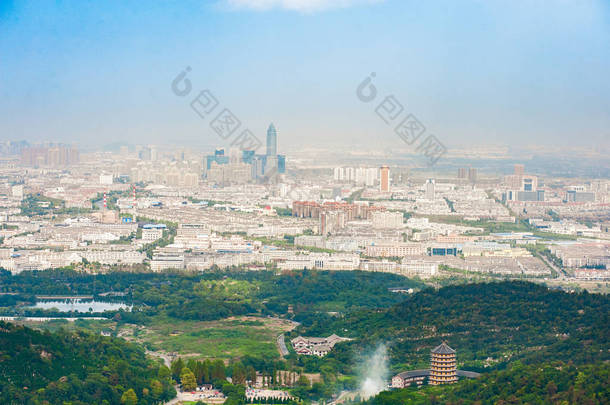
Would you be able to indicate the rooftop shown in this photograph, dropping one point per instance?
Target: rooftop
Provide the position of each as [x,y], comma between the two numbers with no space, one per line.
[443,348]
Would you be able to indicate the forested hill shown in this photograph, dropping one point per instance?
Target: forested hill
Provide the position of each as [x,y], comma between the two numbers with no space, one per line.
[489,324]
[75,368]
[548,383]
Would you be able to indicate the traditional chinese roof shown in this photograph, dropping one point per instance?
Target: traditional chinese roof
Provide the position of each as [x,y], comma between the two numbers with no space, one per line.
[413,374]
[443,348]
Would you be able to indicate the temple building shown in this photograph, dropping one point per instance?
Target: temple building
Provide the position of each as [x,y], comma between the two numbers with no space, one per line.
[443,366]
[442,370]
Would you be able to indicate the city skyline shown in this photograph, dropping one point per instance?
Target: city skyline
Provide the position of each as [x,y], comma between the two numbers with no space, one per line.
[342,202]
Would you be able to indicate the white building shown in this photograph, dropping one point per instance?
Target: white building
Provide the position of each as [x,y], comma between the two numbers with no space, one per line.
[151,235]
[397,249]
[387,220]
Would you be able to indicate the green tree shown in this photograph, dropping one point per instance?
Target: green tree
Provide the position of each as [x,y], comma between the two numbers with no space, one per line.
[129,397]
[251,374]
[239,373]
[156,389]
[177,366]
[164,373]
[187,378]
[218,371]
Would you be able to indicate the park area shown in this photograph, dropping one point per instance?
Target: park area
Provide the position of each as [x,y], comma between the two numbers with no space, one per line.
[226,338]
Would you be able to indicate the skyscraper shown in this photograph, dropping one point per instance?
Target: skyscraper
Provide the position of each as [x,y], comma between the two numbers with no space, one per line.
[430,189]
[472,175]
[271,141]
[384,175]
[519,169]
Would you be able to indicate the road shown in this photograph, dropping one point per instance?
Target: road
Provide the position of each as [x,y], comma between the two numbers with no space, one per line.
[167,358]
[281,345]
[560,273]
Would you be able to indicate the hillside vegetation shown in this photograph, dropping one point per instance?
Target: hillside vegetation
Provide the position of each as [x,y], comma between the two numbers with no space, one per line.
[548,383]
[489,324]
[76,368]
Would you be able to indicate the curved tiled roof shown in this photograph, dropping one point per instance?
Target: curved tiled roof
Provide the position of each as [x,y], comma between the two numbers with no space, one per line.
[443,348]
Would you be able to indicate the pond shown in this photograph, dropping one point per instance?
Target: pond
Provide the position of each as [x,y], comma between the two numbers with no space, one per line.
[79,305]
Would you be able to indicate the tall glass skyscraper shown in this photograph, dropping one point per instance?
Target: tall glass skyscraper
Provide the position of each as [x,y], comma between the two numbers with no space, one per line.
[271,141]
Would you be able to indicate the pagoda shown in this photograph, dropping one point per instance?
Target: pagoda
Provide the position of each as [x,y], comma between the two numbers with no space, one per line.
[443,367]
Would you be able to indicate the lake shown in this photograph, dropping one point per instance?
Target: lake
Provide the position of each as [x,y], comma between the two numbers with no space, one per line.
[79,305]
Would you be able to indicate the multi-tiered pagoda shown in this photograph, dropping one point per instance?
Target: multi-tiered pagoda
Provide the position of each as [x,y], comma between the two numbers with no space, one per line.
[443,367]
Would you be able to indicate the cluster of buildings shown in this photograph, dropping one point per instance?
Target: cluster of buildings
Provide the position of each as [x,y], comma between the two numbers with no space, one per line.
[315,346]
[49,155]
[243,166]
[229,209]
[587,260]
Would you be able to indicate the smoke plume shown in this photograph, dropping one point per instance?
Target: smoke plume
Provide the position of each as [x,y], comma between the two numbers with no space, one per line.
[375,373]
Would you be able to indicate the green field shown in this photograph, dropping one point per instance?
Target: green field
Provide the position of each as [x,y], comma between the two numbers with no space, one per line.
[227,338]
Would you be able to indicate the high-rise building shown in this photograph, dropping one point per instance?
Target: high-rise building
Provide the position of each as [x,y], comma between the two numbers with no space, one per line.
[462,173]
[258,166]
[271,141]
[443,366]
[472,175]
[529,183]
[50,155]
[430,192]
[154,154]
[332,221]
[519,169]
[384,176]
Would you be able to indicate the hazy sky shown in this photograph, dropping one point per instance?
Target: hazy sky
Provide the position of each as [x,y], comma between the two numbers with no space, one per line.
[511,72]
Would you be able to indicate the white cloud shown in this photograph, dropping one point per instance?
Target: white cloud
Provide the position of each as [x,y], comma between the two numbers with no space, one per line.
[297,5]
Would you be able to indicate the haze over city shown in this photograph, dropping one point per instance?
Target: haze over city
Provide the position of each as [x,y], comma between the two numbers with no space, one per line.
[304,202]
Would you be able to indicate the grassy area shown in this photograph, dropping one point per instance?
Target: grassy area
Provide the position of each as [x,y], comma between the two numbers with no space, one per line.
[226,338]
[94,326]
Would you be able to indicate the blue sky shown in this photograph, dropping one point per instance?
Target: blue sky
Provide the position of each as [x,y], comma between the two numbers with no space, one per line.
[473,71]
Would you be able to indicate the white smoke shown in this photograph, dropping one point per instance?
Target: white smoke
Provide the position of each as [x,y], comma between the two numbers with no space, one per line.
[375,373]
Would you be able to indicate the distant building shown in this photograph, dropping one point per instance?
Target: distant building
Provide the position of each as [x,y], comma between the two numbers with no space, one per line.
[384,175]
[332,221]
[579,196]
[314,346]
[312,209]
[17,191]
[529,183]
[271,140]
[395,249]
[151,234]
[522,187]
[387,220]
[167,258]
[408,378]
[443,366]
[258,166]
[519,170]
[54,155]
[106,179]
[472,175]
[429,188]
